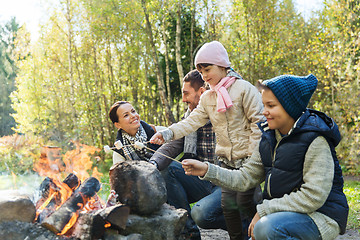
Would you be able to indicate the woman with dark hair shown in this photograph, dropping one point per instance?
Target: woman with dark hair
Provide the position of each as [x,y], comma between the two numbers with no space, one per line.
[130,130]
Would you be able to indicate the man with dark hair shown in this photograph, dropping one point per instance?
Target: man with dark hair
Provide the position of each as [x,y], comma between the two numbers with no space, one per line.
[182,190]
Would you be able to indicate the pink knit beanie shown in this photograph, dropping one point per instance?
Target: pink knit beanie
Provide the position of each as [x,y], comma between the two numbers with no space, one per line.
[213,53]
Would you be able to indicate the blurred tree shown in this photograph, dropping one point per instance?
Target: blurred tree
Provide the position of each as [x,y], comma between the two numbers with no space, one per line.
[336,48]
[8,72]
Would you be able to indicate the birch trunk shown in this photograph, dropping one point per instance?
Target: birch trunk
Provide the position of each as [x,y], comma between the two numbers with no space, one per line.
[178,46]
[163,98]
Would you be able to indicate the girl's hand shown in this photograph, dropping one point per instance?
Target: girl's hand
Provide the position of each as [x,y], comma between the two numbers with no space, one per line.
[255,219]
[194,167]
[157,138]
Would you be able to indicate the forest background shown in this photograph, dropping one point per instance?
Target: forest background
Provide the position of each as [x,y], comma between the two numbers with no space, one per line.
[58,89]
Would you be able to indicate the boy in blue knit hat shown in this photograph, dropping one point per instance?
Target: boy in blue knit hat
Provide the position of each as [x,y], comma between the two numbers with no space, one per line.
[303,190]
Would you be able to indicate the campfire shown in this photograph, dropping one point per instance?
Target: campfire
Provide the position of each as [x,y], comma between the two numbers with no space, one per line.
[65,207]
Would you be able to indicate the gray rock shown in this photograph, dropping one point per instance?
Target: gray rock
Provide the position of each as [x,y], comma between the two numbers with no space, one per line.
[112,234]
[16,230]
[139,185]
[14,206]
[165,224]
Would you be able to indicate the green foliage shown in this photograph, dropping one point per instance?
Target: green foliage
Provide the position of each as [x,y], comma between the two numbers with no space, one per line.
[18,153]
[335,51]
[8,71]
[262,44]
[93,53]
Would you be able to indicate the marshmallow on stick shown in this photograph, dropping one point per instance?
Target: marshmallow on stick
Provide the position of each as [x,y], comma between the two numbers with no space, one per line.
[107,149]
[139,145]
[118,145]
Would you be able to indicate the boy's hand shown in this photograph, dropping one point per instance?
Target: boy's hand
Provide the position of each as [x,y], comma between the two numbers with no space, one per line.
[194,167]
[255,219]
[157,138]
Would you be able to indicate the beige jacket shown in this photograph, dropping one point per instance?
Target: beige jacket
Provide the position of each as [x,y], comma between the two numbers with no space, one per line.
[236,131]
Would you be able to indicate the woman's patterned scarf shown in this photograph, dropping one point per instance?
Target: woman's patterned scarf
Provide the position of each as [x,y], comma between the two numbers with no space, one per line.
[129,150]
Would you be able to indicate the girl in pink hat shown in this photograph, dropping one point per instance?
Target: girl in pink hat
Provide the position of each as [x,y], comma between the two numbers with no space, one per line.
[233,106]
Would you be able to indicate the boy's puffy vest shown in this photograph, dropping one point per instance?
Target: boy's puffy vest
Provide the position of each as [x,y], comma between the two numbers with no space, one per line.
[285,174]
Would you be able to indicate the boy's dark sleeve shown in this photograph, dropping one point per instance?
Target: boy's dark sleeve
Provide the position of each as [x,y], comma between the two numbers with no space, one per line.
[171,149]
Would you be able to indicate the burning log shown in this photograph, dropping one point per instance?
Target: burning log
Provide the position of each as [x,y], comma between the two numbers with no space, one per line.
[49,187]
[89,226]
[72,181]
[45,188]
[116,215]
[92,225]
[64,217]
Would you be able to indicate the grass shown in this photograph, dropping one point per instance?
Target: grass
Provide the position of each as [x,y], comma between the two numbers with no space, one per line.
[352,192]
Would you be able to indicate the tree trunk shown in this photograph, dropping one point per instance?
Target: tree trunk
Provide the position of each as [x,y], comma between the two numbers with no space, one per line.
[178,46]
[163,98]
[193,12]
[167,73]
[70,60]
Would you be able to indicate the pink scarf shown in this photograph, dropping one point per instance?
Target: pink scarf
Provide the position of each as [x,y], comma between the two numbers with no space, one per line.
[223,98]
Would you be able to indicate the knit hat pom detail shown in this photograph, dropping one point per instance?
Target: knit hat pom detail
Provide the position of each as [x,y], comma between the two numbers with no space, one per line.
[213,53]
[293,92]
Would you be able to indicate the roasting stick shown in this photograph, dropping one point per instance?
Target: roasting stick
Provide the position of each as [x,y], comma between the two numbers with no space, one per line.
[138,145]
[118,146]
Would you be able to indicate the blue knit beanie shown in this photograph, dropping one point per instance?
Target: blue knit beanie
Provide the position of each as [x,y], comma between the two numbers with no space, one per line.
[293,92]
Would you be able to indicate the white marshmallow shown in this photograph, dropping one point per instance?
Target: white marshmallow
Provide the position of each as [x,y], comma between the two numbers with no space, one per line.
[118,144]
[139,145]
[107,149]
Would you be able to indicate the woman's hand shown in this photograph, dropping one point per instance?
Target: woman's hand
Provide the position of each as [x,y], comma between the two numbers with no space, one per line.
[255,219]
[194,167]
[157,138]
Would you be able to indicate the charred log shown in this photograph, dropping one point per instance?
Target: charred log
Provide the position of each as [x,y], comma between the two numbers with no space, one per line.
[92,225]
[72,181]
[89,226]
[116,215]
[57,221]
[47,187]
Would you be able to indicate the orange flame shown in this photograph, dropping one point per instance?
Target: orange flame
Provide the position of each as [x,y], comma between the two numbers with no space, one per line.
[55,166]
[71,222]
[77,161]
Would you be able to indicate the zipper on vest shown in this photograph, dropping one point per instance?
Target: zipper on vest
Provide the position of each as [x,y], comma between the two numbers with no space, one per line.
[268,186]
[272,164]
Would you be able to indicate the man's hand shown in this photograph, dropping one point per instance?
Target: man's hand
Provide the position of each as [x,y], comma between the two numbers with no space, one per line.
[157,138]
[194,167]
[255,219]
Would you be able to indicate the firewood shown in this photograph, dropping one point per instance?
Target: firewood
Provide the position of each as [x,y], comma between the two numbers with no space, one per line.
[61,217]
[48,186]
[92,225]
[89,225]
[115,215]
[72,181]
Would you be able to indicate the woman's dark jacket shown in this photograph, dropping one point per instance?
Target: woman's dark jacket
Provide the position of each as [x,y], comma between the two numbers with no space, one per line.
[149,133]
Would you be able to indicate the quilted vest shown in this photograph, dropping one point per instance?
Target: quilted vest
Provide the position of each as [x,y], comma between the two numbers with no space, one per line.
[284,177]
